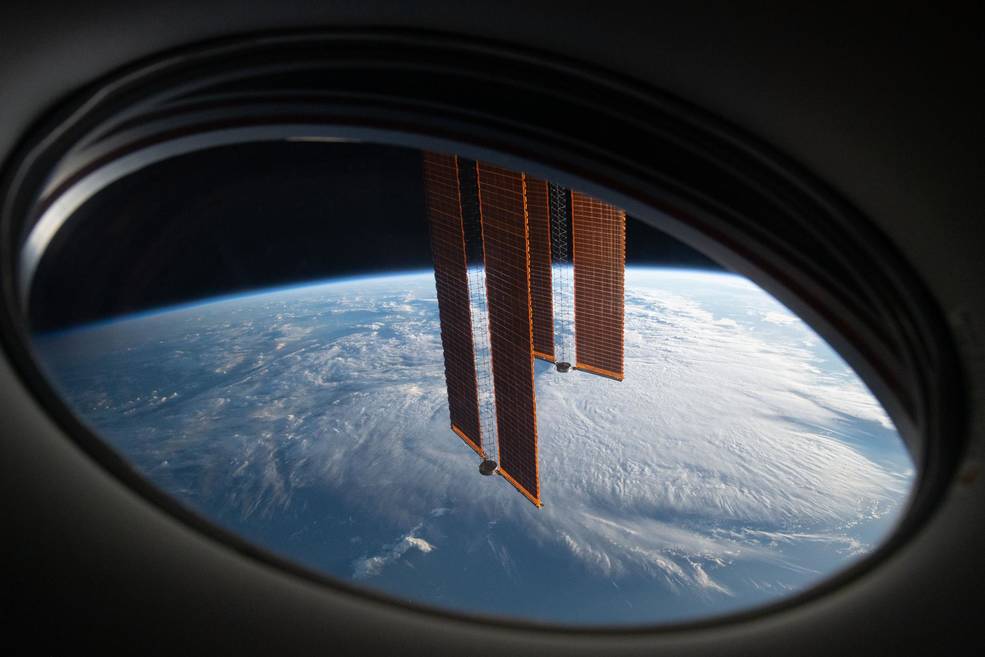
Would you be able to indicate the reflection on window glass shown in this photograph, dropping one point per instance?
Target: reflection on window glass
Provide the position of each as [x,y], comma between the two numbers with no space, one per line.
[267,348]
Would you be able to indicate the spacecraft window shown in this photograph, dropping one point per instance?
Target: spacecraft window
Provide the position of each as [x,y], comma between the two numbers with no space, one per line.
[254,328]
[302,292]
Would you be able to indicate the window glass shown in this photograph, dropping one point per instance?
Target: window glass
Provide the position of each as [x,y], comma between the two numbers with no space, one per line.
[256,328]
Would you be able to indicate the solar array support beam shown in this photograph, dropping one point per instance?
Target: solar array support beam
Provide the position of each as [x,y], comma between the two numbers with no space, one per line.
[541,283]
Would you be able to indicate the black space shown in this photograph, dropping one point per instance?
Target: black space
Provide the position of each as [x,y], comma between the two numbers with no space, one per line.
[250,216]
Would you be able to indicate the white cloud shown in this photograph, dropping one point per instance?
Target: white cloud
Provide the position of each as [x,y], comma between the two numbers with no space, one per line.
[712,427]
[372,566]
[720,446]
[781,318]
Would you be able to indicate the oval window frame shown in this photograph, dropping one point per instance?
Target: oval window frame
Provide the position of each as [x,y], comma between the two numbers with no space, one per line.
[668,163]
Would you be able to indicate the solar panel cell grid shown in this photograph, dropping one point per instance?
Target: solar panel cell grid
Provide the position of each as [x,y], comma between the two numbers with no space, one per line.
[504,232]
[599,246]
[444,214]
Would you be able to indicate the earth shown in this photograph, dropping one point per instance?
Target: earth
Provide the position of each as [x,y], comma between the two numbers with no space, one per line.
[739,462]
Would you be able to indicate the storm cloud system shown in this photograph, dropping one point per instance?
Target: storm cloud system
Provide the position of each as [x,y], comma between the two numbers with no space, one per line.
[740,461]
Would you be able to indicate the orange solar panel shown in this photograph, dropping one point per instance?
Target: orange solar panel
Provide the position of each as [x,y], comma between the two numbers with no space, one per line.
[504,236]
[599,254]
[444,214]
[541,285]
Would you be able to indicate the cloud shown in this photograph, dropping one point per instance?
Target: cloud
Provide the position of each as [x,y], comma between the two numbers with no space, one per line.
[373,566]
[714,427]
[781,318]
[723,444]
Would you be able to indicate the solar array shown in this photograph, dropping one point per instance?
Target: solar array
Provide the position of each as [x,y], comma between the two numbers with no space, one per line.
[504,237]
[599,254]
[516,229]
[444,211]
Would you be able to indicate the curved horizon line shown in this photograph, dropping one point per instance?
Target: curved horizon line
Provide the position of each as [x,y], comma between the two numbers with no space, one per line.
[322,282]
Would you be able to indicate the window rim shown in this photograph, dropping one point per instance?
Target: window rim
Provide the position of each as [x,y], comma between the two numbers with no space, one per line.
[216,89]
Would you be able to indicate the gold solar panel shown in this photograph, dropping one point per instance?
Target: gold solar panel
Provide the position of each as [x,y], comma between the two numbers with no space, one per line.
[504,235]
[599,254]
[444,214]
